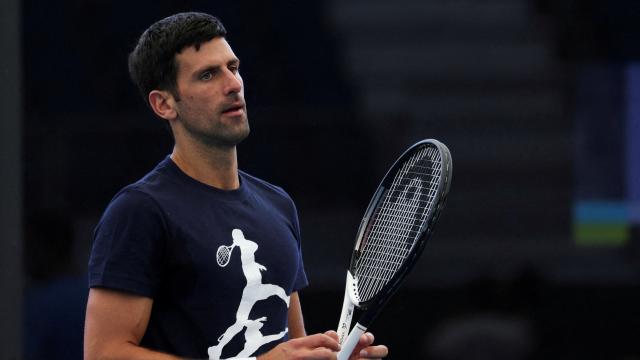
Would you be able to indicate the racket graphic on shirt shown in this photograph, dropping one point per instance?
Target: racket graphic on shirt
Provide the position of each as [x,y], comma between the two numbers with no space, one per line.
[394,230]
[223,255]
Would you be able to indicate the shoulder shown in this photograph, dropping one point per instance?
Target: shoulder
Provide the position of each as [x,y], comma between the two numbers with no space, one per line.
[263,187]
[131,206]
[137,195]
[132,196]
[271,197]
[149,188]
[140,199]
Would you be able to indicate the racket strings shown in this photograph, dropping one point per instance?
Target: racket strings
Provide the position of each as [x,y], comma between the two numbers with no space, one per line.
[387,255]
[396,246]
[397,222]
[384,258]
[223,255]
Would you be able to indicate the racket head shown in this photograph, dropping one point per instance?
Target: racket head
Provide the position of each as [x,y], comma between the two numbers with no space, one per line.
[223,255]
[398,222]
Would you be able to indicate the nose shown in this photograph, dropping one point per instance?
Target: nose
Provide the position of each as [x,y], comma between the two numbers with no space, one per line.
[233,82]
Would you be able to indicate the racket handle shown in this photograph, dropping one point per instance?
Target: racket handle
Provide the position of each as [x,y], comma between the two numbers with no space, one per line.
[352,341]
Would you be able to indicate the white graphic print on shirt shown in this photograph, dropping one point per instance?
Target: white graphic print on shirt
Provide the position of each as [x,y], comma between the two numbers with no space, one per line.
[254,291]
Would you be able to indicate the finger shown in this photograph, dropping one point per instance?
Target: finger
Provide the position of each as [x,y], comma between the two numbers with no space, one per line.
[365,340]
[373,352]
[317,341]
[320,354]
[332,334]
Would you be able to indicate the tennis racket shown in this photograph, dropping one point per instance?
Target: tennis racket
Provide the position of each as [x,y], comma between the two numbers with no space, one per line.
[394,230]
[223,255]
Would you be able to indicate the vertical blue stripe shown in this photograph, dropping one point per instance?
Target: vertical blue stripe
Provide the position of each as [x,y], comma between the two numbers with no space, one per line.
[633,141]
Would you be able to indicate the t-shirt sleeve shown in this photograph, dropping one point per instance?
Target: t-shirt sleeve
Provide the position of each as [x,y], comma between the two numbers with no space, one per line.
[301,277]
[128,245]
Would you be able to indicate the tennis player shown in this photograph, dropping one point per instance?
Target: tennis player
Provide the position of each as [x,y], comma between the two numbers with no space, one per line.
[199,259]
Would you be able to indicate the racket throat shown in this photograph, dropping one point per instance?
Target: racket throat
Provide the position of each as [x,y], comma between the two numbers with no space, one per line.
[348,306]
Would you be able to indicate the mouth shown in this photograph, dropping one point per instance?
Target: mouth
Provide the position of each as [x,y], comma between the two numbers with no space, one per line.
[234,109]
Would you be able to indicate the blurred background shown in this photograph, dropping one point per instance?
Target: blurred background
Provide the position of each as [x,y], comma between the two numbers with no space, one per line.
[537,255]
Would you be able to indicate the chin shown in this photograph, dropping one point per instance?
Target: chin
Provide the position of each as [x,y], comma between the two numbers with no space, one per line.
[230,140]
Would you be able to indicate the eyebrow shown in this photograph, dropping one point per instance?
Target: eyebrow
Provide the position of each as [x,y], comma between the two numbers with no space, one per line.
[198,72]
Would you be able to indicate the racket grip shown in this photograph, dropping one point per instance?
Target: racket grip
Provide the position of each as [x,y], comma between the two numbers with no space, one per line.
[351,342]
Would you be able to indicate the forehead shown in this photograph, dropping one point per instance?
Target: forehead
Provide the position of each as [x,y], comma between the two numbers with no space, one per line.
[215,52]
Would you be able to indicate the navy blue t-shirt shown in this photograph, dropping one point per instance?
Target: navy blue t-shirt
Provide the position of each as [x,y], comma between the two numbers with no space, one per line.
[219,265]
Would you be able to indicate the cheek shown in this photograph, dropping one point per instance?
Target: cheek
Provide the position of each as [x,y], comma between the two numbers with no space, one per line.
[203,100]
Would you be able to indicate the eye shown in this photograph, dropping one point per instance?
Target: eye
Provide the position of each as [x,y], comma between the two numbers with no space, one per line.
[207,75]
[234,68]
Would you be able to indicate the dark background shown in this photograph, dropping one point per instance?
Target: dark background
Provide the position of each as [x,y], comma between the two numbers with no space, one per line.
[335,91]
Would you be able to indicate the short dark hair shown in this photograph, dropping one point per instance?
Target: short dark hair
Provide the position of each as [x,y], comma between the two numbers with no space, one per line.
[152,63]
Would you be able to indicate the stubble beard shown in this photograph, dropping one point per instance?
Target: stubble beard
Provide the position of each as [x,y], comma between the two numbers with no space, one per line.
[217,134]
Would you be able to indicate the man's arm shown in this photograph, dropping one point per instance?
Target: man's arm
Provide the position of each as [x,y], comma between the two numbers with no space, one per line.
[296,323]
[116,322]
[114,325]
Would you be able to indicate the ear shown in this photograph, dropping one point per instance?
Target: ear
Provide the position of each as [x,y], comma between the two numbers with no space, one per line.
[163,104]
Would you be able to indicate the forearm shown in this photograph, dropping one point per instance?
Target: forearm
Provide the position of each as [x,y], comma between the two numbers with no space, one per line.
[124,351]
[295,320]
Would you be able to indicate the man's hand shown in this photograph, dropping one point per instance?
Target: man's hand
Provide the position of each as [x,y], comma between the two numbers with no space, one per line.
[320,346]
[324,347]
[365,349]
[317,347]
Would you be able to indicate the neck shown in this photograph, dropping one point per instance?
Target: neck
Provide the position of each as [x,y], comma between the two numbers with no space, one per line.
[217,167]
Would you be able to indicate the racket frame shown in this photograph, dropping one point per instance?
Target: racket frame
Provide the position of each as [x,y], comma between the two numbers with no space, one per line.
[373,306]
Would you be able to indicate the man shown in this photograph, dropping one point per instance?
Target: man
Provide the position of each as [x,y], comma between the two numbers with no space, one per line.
[199,259]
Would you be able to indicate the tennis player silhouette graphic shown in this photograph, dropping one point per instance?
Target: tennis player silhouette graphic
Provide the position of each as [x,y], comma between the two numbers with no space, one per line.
[253,292]
[254,337]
